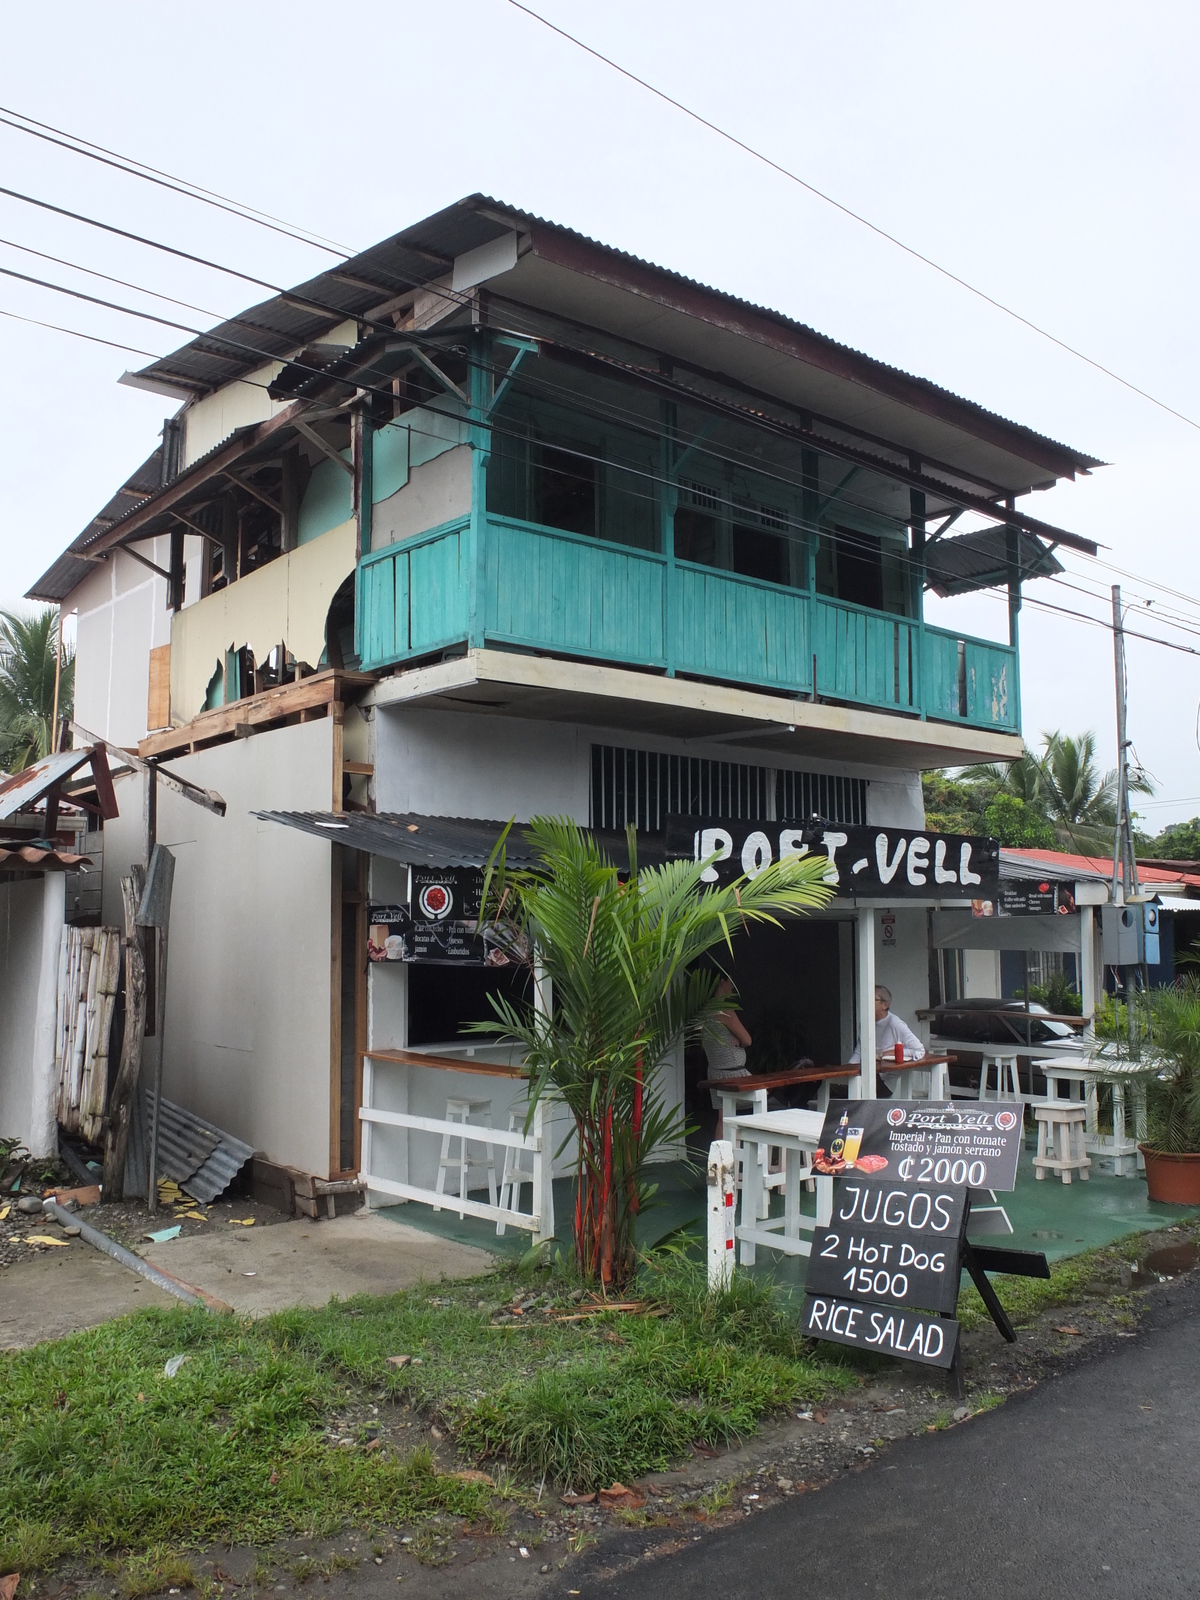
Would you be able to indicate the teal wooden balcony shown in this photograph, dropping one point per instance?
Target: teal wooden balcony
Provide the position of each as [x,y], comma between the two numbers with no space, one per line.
[496,581]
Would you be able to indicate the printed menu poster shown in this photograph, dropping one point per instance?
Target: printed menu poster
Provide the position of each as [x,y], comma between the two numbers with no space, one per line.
[439,925]
[924,1141]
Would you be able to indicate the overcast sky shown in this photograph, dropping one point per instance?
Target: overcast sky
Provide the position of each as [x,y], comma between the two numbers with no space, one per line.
[1047,154]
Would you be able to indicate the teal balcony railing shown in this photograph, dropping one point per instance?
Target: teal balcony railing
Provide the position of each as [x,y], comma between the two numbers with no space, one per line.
[504,582]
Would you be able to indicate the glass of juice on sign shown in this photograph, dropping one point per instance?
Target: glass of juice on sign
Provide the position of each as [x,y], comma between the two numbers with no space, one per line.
[852,1146]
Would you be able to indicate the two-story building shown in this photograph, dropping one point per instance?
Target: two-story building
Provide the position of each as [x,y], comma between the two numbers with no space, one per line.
[493,520]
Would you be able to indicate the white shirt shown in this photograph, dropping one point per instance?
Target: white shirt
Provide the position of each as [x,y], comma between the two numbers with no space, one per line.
[891,1031]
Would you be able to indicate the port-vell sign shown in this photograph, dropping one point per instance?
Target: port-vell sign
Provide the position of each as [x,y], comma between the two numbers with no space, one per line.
[876,863]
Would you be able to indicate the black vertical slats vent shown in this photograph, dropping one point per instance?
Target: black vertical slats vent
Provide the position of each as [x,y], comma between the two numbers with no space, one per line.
[800,795]
[644,787]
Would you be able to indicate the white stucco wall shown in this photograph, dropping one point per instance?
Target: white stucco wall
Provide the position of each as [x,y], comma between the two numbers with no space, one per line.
[903,965]
[471,764]
[122,615]
[31,920]
[436,492]
[248,996]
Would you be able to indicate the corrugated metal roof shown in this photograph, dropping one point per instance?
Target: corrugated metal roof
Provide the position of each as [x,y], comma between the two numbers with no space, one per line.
[72,568]
[1057,864]
[979,560]
[29,785]
[202,1159]
[423,841]
[426,251]
[17,858]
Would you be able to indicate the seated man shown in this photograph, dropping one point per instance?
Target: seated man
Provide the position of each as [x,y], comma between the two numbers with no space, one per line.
[894,1038]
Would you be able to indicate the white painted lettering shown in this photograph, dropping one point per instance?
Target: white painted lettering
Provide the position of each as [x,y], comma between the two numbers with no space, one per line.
[756,854]
[792,845]
[918,861]
[833,842]
[888,870]
[940,875]
[818,1314]
[894,1219]
[718,844]
[965,875]
[934,1332]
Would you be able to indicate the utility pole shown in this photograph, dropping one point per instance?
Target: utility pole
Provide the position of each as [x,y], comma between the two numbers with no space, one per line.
[1124,878]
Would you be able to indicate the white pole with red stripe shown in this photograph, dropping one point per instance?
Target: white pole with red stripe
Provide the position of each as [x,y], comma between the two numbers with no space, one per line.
[722,1195]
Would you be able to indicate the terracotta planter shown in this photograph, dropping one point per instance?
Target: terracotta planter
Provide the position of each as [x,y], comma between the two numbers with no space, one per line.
[1172,1179]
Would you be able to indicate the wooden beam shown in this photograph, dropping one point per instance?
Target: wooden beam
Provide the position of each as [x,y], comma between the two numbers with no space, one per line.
[326,449]
[244,483]
[201,533]
[146,562]
[317,690]
[208,798]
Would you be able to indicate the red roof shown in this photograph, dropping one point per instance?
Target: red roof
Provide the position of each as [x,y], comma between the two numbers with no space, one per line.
[1101,867]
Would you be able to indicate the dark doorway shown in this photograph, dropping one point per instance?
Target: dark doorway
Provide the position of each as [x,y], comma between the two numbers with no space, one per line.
[441,1000]
[859,569]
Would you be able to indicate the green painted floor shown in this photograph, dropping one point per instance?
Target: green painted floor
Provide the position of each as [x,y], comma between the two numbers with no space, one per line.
[1056,1218]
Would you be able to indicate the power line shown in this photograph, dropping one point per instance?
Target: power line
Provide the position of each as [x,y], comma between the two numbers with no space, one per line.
[855,216]
[190,191]
[92,338]
[138,288]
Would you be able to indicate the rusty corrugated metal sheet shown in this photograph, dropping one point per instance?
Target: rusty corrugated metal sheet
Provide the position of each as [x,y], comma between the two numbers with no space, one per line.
[24,788]
[17,858]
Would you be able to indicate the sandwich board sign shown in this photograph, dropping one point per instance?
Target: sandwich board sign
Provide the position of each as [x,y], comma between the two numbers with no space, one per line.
[884,1274]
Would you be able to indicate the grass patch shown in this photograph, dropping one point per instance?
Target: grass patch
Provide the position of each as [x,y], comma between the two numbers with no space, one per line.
[1069,1282]
[101,1452]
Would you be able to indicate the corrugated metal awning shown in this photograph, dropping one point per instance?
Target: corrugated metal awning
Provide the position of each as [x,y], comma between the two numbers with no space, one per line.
[422,841]
[32,782]
[38,858]
[980,560]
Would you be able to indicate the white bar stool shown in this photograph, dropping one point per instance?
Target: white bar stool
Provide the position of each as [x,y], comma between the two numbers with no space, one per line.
[1005,1062]
[460,1109]
[1061,1123]
[514,1175]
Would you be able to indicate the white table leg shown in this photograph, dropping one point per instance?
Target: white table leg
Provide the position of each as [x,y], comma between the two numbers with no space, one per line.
[794,1163]
[824,1201]
[752,1194]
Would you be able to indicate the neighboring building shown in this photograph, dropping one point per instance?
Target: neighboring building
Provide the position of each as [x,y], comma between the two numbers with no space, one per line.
[491,521]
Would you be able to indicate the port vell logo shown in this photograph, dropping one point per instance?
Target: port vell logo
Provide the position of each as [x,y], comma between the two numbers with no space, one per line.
[436,901]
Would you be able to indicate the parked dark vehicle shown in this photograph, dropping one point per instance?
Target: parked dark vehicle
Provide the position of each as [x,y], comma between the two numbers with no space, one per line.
[984,1021]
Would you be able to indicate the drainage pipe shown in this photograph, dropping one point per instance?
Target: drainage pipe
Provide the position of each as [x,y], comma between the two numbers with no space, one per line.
[118,1252]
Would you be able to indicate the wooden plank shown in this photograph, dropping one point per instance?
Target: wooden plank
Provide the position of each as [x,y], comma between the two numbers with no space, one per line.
[319,689]
[413,1058]
[476,1132]
[451,1202]
[158,701]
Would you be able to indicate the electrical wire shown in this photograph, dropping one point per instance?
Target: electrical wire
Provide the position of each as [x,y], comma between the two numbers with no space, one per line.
[855,216]
[124,283]
[92,338]
[639,422]
[190,191]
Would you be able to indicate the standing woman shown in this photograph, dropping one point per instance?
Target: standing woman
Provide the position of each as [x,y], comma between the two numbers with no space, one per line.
[725,1039]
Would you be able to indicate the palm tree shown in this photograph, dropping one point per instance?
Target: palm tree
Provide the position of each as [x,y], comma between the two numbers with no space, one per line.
[28,650]
[613,960]
[1065,785]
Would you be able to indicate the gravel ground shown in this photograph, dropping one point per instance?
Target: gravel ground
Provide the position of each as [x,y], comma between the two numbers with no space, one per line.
[128,1222]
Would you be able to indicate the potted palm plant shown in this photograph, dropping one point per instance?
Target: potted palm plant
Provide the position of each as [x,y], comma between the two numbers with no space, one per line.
[613,961]
[1172,1144]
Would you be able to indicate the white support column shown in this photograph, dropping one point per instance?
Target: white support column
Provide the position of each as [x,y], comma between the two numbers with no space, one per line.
[866,1002]
[43,1084]
[1087,966]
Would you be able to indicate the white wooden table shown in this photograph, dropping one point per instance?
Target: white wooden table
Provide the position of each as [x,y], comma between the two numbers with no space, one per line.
[733,1098]
[1082,1080]
[900,1078]
[796,1134]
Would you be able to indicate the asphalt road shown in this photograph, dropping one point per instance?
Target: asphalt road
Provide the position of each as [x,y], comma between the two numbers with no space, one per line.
[1088,1485]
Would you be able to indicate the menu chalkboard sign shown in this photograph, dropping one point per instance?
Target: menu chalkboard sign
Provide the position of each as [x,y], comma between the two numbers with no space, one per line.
[884,1274]
[934,1142]
[932,1340]
[892,1243]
